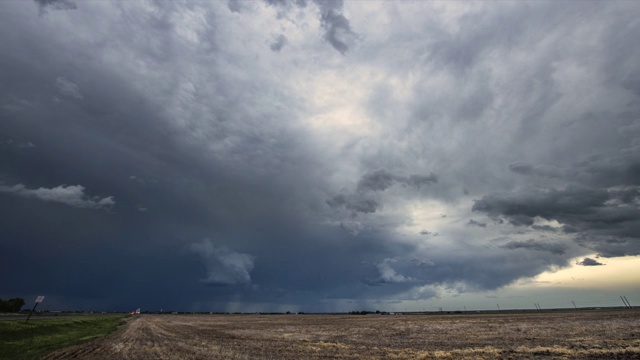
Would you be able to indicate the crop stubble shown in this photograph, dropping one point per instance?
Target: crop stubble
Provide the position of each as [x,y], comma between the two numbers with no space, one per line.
[605,334]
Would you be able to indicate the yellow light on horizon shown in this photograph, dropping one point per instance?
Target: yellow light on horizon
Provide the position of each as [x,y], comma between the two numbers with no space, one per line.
[618,272]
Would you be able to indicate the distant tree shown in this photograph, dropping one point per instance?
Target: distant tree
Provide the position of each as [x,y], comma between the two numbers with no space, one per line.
[11,305]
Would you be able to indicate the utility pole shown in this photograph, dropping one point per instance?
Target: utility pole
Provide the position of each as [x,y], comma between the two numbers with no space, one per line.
[498,305]
[624,302]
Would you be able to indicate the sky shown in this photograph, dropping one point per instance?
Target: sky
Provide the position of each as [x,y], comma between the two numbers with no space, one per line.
[319,155]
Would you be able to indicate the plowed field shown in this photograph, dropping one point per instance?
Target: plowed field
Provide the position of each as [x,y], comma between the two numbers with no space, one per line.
[570,335]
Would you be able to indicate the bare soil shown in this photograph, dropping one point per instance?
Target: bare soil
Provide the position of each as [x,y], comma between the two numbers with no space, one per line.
[567,335]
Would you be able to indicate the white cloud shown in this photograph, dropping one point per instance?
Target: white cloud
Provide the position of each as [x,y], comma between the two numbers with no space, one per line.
[389,275]
[72,195]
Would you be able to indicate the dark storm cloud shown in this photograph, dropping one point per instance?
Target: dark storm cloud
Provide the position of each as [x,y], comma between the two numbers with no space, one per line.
[83,129]
[595,216]
[200,126]
[589,262]
[475,268]
[189,192]
[600,210]
[378,180]
[532,244]
[356,204]
[366,198]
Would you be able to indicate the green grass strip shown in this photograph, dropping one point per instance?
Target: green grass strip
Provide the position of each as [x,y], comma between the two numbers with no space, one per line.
[40,337]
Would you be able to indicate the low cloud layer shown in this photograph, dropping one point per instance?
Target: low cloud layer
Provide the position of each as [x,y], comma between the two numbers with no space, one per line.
[72,195]
[589,262]
[557,249]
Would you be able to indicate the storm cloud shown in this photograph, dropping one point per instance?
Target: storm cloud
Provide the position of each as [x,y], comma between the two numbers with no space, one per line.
[600,219]
[310,144]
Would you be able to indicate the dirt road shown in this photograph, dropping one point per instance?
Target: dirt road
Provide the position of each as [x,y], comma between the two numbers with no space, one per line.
[596,335]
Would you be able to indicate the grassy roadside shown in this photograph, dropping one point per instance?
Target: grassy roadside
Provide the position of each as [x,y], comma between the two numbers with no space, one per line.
[40,337]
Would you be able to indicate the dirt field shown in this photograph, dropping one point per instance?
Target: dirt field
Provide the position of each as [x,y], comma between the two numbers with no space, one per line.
[590,335]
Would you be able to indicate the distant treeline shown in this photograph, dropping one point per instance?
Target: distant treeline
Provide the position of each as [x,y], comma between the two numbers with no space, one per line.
[364,312]
[11,305]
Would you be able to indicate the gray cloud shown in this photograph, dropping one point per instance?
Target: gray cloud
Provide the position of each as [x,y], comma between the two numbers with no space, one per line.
[68,88]
[337,28]
[540,170]
[378,180]
[381,180]
[72,195]
[284,3]
[279,42]
[571,201]
[364,200]
[353,203]
[472,222]
[544,228]
[595,216]
[224,267]
[531,244]
[235,6]
[589,262]
[43,5]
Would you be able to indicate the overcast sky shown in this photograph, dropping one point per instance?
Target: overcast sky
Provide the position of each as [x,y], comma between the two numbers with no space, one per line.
[317,155]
